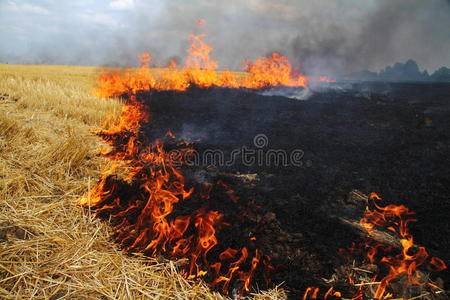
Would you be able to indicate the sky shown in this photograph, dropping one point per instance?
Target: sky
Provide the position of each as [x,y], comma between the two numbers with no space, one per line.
[322,36]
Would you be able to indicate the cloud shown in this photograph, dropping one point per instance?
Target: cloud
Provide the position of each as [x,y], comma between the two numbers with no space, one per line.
[101,19]
[13,6]
[122,4]
[104,19]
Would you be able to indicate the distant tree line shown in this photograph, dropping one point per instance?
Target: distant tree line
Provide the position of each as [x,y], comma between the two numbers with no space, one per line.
[408,71]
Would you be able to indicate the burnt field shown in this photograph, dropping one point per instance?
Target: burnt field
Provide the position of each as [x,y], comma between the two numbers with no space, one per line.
[392,139]
[233,150]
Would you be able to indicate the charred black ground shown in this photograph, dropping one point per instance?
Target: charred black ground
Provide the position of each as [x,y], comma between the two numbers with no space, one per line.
[393,139]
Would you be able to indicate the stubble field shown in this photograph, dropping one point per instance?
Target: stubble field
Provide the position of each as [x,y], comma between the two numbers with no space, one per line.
[50,248]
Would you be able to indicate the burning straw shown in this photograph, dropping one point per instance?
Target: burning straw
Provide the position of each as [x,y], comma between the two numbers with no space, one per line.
[141,205]
[49,247]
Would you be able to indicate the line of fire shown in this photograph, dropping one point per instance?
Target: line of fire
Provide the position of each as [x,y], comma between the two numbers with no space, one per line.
[306,227]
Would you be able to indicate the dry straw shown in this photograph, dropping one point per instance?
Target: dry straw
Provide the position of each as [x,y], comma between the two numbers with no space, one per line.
[49,247]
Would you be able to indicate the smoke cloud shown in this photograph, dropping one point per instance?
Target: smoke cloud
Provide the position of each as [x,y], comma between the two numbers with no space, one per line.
[323,37]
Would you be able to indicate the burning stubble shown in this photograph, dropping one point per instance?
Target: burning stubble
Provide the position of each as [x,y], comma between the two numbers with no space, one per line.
[181,211]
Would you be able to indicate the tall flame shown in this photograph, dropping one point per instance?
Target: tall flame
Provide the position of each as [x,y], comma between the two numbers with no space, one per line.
[198,55]
[200,70]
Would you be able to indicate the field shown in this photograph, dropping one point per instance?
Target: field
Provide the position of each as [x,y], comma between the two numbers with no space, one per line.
[50,248]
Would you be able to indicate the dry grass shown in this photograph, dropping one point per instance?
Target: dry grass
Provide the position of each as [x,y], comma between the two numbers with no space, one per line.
[49,247]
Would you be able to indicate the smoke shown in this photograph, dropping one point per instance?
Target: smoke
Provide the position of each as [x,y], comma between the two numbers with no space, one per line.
[323,37]
[385,32]
[297,93]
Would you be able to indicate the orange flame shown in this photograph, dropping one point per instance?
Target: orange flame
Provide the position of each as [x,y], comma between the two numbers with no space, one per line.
[272,71]
[172,64]
[143,221]
[198,55]
[396,218]
[145,59]
[200,70]
[229,191]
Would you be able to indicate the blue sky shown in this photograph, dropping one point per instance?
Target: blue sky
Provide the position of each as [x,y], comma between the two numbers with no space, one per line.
[329,35]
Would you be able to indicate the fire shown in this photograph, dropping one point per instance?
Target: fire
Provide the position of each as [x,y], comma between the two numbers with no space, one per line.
[144,220]
[145,59]
[311,293]
[131,82]
[198,55]
[229,191]
[394,218]
[172,64]
[200,70]
[272,71]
